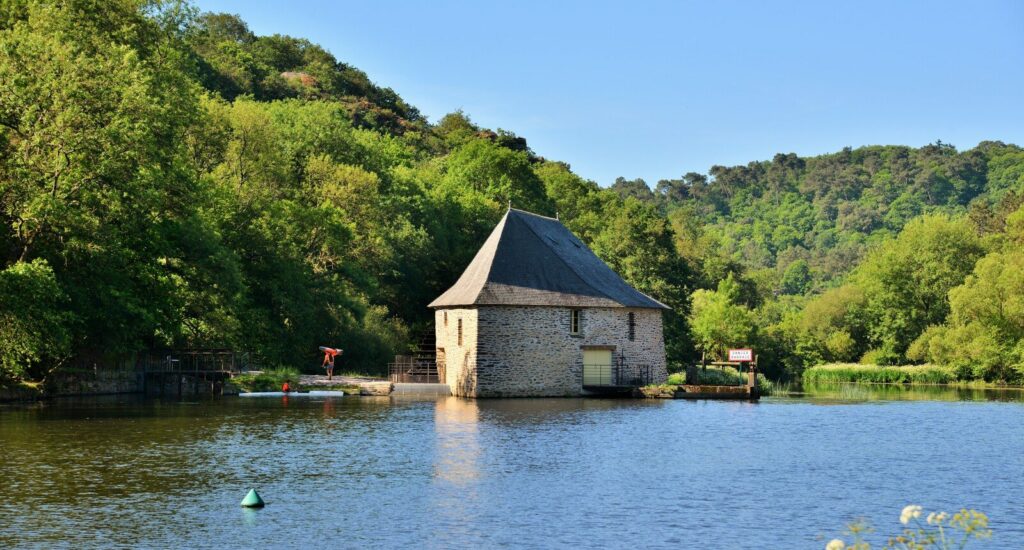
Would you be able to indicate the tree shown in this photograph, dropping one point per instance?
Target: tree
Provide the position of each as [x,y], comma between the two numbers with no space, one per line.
[498,174]
[94,104]
[636,189]
[796,278]
[718,322]
[34,333]
[907,280]
[637,243]
[985,329]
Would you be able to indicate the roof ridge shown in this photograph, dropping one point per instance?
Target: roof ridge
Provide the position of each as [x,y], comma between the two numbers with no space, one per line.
[501,237]
[500,230]
[521,211]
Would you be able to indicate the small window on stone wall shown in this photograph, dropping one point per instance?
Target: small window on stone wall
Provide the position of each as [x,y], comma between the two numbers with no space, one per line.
[632,326]
[460,332]
[574,321]
[446,318]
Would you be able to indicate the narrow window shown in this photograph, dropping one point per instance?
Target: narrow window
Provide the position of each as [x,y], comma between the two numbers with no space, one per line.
[632,326]
[574,321]
[446,318]
[460,332]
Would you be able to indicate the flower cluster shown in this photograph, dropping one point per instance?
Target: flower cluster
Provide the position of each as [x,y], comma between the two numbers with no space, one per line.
[910,512]
[939,531]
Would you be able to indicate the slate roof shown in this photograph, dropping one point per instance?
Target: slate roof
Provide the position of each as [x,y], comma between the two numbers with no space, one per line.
[534,260]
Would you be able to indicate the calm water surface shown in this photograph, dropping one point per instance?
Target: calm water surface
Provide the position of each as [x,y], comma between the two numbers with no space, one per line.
[378,472]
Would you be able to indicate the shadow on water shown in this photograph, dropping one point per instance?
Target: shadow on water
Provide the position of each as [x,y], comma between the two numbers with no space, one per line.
[853,393]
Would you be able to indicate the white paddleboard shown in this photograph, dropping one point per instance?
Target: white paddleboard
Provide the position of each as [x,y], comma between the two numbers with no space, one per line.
[313,393]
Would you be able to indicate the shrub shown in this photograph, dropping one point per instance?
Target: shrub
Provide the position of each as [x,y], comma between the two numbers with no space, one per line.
[268,380]
[721,376]
[879,357]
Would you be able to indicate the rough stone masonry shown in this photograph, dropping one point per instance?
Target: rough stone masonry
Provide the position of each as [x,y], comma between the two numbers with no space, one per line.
[529,351]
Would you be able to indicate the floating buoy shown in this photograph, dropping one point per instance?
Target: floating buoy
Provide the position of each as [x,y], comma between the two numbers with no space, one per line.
[253,500]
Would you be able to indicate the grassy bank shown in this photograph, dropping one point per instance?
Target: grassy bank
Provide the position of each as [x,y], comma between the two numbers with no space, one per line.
[268,380]
[833,373]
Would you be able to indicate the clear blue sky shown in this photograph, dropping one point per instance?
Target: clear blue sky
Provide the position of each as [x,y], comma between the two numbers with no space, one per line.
[657,89]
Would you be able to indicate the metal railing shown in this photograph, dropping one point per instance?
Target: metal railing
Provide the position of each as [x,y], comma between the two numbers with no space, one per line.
[191,361]
[622,374]
[414,372]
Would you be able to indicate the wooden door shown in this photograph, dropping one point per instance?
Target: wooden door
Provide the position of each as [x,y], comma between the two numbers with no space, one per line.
[597,367]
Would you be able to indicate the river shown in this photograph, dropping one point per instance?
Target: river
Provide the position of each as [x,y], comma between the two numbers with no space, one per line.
[532,473]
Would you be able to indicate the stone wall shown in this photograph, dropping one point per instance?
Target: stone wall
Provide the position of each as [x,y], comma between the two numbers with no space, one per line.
[528,351]
[112,378]
[460,359]
[100,380]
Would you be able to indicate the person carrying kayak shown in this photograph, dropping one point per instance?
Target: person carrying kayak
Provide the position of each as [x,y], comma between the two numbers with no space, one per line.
[328,363]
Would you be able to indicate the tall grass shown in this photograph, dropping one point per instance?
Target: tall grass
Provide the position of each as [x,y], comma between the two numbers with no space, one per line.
[850,372]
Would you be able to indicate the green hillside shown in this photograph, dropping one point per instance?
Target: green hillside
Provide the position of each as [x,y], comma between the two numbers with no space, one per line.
[858,253]
[167,178]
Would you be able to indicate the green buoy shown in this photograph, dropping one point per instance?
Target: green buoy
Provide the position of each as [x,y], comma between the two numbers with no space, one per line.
[253,500]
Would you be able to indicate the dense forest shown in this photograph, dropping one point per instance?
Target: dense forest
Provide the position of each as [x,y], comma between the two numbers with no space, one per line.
[170,179]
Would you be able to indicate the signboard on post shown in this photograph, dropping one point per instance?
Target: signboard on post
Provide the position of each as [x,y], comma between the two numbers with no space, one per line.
[741,355]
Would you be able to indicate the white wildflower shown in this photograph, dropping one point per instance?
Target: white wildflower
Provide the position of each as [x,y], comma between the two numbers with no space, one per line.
[835,544]
[911,511]
[931,518]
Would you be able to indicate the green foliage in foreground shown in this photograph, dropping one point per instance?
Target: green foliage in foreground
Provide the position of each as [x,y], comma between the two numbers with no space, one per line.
[874,374]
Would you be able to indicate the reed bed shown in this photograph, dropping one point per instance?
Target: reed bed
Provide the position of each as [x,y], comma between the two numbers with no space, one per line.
[833,373]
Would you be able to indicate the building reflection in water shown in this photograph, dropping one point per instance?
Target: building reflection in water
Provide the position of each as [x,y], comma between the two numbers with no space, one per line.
[457,430]
[457,477]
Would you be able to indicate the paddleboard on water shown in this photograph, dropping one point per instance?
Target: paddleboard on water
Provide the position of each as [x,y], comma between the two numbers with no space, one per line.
[321,393]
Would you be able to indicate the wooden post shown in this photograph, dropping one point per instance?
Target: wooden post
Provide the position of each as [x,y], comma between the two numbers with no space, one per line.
[752,377]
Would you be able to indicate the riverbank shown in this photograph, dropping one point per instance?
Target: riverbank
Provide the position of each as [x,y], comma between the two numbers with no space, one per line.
[272,380]
[100,382]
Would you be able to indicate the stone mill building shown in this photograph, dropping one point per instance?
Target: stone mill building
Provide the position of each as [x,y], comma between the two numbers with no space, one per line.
[536,313]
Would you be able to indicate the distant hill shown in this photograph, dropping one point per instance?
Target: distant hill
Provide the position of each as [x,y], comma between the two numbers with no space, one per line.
[822,213]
